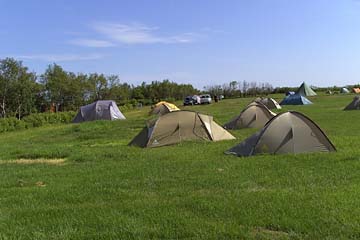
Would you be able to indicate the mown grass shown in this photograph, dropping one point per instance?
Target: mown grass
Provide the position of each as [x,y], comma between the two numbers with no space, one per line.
[105,189]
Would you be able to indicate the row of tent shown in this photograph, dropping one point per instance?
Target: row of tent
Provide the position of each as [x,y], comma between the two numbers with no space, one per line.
[289,132]
[344,90]
[108,110]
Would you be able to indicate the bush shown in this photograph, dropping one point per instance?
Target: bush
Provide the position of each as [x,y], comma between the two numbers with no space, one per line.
[126,107]
[40,119]
[35,120]
[11,124]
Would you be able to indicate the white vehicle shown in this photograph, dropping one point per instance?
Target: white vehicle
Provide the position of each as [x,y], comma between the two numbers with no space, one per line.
[205,99]
[192,100]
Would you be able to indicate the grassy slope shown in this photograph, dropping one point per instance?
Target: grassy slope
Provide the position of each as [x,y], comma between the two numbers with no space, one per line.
[107,190]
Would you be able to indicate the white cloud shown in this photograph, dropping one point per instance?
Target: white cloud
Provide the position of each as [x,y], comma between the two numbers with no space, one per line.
[139,34]
[111,34]
[91,43]
[60,57]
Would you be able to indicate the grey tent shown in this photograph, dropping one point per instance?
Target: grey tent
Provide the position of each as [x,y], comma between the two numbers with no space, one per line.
[178,126]
[305,90]
[289,132]
[270,103]
[354,105]
[344,90]
[255,115]
[99,110]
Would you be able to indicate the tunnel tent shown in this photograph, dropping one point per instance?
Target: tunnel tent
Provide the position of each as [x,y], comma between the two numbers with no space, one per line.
[344,90]
[179,126]
[288,132]
[99,110]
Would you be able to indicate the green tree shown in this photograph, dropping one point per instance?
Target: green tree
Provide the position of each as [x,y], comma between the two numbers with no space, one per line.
[55,81]
[17,87]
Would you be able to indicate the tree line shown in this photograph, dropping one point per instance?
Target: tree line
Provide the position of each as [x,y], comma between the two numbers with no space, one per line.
[240,89]
[23,92]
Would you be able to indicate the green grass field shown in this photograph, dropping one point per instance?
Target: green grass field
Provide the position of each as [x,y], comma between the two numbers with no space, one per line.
[83,182]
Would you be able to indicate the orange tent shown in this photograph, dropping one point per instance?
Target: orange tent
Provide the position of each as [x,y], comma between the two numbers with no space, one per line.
[356,90]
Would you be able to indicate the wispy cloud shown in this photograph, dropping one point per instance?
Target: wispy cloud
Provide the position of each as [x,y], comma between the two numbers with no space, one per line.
[113,34]
[60,57]
[91,43]
[139,34]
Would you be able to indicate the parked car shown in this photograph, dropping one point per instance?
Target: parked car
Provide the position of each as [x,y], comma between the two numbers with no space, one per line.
[205,99]
[192,100]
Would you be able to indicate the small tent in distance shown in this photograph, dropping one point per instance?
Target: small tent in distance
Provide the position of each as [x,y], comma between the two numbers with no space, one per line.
[99,110]
[163,107]
[329,92]
[305,90]
[270,103]
[180,126]
[356,90]
[354,105]
[344,90]
[255,115]
[289,132]
[295,99]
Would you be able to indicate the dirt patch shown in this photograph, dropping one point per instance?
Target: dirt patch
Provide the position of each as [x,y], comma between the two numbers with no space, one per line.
[50,161]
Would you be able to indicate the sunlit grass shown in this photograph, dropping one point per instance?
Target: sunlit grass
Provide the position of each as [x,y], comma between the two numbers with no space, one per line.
[105,189]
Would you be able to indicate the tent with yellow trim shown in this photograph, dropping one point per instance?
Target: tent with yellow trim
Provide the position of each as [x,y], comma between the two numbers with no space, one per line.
[163,107]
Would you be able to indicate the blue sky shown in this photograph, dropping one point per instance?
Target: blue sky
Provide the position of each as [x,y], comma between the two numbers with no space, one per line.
[203,42]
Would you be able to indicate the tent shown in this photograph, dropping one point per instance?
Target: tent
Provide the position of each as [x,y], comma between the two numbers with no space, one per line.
[295,99]
[288,132]
[354,105]
[356,90]
[344,90]
[99,110]
[163,107]
[255,115]
[329,92]
[180,126]
[270,103]
[305,90]
[289,93]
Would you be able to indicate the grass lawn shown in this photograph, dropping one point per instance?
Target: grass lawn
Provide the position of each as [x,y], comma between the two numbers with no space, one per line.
[82,181]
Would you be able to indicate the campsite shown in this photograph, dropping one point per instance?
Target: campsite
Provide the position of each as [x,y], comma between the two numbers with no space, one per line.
[179,119]
[83,181]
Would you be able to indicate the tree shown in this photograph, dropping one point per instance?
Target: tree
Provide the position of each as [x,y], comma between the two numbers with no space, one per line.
[97,86]
[55,81]
[17,87]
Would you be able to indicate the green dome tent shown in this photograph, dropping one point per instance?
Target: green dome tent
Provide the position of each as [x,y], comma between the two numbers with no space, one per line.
[255,115]
[178,126]
[288,132]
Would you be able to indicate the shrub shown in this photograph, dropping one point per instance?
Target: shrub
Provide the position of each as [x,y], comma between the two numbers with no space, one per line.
[11,124]
[40,119]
